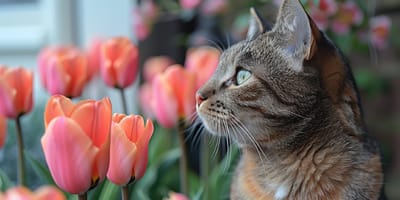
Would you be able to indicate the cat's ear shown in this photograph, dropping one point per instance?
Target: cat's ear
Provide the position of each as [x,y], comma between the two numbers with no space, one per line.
[296,27]
[257,25]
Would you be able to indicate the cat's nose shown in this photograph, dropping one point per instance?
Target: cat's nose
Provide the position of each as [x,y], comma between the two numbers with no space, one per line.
[200,98]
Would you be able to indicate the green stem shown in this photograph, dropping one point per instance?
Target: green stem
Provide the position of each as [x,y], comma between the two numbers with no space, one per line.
[183,159]
[125,192]
[123,98]
[82,196]
[204,165]
[21,158]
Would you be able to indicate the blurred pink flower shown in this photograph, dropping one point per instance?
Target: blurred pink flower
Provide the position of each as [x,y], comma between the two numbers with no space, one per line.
[348,14]
[16,85]
[93,55]
[76,142]
[130,138]
[212,7]
[155,65]
[322,11]
[202,61]
[379,31]
[63,70]
[173,94]
[177,196]
[143,16]
[42,193]
[145,99]
[189,4]
[119,62]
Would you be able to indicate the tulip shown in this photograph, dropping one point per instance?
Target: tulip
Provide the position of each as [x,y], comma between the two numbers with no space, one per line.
[23,193]
[379,30]
[119,62]
[15,91]
[145,99]
[76,142]
[202,61]
[143,16]
[129,148]
[93,55]
[173,95]
[49,193]
[3,130]
[177,196]
[19,193]
[155,65]
[348,14]
[63,70]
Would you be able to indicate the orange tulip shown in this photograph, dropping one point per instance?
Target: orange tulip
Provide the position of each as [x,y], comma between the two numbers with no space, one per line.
[76,142]
[63,70]
[119,62]
[202,61]
[3,130]
[129,148]
[15,91]
[173,95]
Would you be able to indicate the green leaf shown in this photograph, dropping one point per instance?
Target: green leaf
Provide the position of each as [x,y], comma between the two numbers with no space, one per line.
[4,181]
[40,169]
[109,191]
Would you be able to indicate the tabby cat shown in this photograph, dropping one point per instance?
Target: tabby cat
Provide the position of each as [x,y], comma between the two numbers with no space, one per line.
[289,100]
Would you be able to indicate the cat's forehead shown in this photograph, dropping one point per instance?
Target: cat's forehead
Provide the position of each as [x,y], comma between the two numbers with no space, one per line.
[261,49]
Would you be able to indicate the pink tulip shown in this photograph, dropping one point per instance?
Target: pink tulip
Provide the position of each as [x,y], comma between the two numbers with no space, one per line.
[129,148]
[140,27]
[177,196]
[76,142]
[3,131]
[145,99]
[189,4]
[329,7]
[379,31]
[155,65]
[202,61]
[16,85]
[119,62]
[173,95]
[49,193]
[93,55]
[63,70]
[348,14]
[19,193]
[23,193]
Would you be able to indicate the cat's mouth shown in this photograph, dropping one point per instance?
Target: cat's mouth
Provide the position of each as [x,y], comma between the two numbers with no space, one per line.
[215,117]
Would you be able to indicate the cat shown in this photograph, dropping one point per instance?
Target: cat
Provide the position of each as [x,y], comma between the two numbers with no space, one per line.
[287,97]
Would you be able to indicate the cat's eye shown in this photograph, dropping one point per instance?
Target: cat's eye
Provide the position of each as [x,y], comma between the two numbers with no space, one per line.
[242,76]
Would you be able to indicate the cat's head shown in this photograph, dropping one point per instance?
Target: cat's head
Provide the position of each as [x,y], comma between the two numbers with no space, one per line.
[263,88]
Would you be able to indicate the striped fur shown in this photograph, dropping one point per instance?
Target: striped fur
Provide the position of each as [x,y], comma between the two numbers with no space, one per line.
[297,119]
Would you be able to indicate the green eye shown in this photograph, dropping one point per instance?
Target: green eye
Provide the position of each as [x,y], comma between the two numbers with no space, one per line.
[242,76]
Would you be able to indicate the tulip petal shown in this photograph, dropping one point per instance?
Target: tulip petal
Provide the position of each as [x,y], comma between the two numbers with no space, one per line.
[57,105]
[95,119]
[127,66]
[7,95]
[122,154]
[56,78]
[70,155]
[164,104]
[140,162]
[49,193]
[19,193]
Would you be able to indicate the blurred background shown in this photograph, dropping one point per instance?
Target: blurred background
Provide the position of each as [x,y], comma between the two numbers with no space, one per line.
[367,31]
